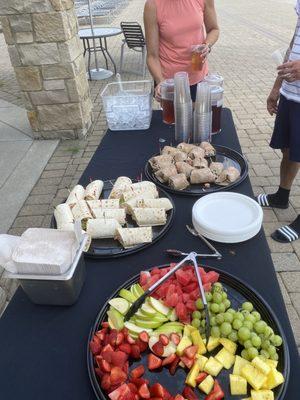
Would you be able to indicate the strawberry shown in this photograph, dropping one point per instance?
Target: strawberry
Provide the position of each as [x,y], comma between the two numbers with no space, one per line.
[187,361]
[158,349]
[105,324]
[142,345]
[144,337]
[118,358]
[107,355]
[113,337]
[125,347]
[153,362]
[130,340]
[106,382]
[120,338]
[201,377]
[116,393]
[132,387]
[104,365]
[189,394]
[164,340]
[190,351]
[157,390]
[117,376]
[101,334]
[137,372]
[144,391]
[168,360]
[174,365]
[139,381]
[175,338]
[135,351]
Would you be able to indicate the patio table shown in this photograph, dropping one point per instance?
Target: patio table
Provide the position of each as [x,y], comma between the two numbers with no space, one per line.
[43,349]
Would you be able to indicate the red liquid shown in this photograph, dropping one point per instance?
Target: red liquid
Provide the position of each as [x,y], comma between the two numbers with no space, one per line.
[197,61]
[216,119]
[168,111]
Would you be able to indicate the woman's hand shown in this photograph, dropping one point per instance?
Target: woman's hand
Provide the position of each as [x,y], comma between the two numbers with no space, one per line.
[272,101]
[290,71]
[205,51]
[157,92]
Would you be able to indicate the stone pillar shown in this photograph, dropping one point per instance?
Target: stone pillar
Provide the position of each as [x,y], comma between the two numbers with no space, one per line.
[47,57]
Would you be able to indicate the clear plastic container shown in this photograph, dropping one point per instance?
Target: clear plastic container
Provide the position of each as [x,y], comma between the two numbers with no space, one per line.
[128,105]
[214,79]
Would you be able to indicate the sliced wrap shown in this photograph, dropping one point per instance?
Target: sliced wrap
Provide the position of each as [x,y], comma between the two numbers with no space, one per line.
[164,174]
[104,203]
[129,237]
[102,228]
[216,168]
[162,202]
[208,149]
[76,194]
[160,161]
[130,194]
[81,211]
[132,203]
[121,185]
[93,190]
[118,214]
[149,216]
[180,156]
[184,168]
[185,147]
[63,215]
[179,182]
[203,175]
[197,152]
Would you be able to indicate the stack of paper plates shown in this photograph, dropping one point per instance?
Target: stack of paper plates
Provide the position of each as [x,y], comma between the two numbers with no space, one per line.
[227,217]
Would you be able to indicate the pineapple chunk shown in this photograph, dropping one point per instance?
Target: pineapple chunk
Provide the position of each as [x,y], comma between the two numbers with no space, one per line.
[198,341]
[262,395]
[248,398]
[274,379]
[183,344]
[253,376]
[238,365]
[188,329]
[213,367]
[192,375]
[212,343]
[201,360]
[225,358]
[272,363]
[261,365]
[207,385]
[229,345]
[238,385]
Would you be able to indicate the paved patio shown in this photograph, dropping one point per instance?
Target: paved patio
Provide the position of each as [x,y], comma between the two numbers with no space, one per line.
[250,32]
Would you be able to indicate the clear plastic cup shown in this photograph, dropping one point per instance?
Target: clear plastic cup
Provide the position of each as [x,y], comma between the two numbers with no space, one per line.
[197,57]
[279,55]
[167,101]
[214,79]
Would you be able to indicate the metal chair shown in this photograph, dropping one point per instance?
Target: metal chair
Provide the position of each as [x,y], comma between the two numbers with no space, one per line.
[135,40]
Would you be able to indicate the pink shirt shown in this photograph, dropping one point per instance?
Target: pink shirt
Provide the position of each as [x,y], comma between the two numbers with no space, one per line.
[181,25]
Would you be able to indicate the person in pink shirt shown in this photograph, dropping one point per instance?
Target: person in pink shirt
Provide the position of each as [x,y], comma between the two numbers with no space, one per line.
[172,27]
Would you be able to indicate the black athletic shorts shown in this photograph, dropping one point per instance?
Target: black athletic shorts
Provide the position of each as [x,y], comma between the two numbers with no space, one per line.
[286,133]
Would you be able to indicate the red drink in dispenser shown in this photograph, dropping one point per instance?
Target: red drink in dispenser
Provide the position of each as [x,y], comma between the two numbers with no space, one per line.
[217,105]
[167,101]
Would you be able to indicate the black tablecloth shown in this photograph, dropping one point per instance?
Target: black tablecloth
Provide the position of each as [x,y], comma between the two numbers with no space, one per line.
[43,349]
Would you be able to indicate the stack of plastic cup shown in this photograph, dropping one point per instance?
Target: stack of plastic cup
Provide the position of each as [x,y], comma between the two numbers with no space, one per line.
[214,79]
[183,108]
[202,114]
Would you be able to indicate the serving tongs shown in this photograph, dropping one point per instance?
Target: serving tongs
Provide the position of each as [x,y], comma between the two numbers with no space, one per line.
[190,257]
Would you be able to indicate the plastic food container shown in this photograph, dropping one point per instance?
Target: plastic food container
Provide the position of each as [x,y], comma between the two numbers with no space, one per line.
[128,105]
[55,290]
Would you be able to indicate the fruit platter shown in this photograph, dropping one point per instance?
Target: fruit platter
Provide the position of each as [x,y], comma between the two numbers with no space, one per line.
[161,353]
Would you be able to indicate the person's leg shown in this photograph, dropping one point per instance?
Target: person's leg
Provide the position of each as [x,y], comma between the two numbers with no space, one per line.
[288,170]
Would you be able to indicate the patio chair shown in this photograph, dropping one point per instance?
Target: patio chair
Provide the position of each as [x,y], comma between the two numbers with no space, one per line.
[135,40]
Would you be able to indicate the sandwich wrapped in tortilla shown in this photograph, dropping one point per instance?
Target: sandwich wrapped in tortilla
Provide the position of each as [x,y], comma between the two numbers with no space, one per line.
[203,175]
[180,156]
[82,212]
[104,203]
[76,194]
[216,168]
[170,150]
[149,216]
[102,228]
[131,193]
[184,168]
[196,152]
[160,161]
[162,202]
[145,185]
[178,182]
[199,163]
[118,214]
[121,185]
[208,149]
[132,203]
[63,215]
[232,174]
[185,147]
[93,190]
[164,174]
[129,237]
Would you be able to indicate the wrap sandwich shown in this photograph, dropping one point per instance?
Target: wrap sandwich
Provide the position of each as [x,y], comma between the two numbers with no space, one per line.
[129,237]
[164,174]
[102,228]
[149,216]
[184,168]
[118,214]
[203,175]
[104,203]
[162,202]
[93,190]
[82,212]
[63,215]
[76,194]
[178,182]
[121,185]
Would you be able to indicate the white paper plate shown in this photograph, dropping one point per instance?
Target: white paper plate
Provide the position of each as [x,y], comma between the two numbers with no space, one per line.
[227,217]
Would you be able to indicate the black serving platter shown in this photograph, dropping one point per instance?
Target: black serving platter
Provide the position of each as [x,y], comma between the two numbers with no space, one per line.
[110,248]
[225,155]
[238,291]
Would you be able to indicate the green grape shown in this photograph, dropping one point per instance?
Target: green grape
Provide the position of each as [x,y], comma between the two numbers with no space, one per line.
[214,307]
[225,328]
[248,324]
[224,295]
[202,330]
[203,314]
[244,333]
[264,354]
[256,315]
[217,286]
[199,304]
[196,323]
[213,321]
[238,315]
[215,331]
[233,336]
[228,317]
[202,323]
[220,318]
[250,318]
[265,344]
[268,331]
[248,344]
[274,357]
[217,298]
[245,355]
[271,349]
[231,311]
[237,324]
[196,314]
[221,308]
[227,304]
[247,306]
[252,352]
[256,341]
[208,296]
[260,326]
[276,340]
